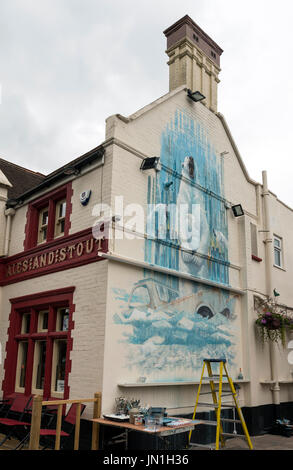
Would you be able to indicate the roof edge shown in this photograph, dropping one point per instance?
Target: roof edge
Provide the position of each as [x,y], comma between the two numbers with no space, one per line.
[76,164]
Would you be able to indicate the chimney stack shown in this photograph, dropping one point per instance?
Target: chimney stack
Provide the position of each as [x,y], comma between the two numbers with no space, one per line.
[194,60]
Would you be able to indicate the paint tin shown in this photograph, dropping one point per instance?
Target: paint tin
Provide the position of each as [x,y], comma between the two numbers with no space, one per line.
[138,420]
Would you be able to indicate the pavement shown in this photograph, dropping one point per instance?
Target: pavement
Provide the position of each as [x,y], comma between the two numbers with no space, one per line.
[264,442]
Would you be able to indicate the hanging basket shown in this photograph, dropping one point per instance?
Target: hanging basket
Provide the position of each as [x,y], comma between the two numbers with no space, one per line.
[272,322]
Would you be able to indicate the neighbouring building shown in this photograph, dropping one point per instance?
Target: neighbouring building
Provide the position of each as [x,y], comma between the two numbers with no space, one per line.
[131,307]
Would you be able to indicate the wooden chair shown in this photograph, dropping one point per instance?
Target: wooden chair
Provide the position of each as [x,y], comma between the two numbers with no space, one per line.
[48,434]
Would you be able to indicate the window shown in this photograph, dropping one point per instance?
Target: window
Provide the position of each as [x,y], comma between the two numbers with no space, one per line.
[43,320]
[49,217]
[39,344]
[39,366]
[43,225]
[57,218]
[278,254]
[60,218]
[62,319]
[59,366]
[25,324]
[21,366]
[253,234]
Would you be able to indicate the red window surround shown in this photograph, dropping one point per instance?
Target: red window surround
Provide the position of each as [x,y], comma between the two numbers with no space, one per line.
[49,199]
[34,303]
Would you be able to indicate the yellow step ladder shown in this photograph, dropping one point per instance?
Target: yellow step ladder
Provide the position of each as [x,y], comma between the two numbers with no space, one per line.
[218,405]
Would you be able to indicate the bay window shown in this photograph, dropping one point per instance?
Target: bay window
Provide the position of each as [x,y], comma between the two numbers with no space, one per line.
[38,349]
[48,217]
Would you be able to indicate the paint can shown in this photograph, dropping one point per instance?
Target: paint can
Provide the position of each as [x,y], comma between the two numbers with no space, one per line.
[138,420]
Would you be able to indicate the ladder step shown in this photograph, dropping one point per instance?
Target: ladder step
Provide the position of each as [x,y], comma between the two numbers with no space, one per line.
[214,377]
[214,423]
[227,420]
[208,423]
[215,360]
[213,405]
[207,446]
[224,393]
[230,434]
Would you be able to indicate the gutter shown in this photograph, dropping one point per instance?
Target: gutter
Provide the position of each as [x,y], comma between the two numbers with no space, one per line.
[9,214]
[268,256]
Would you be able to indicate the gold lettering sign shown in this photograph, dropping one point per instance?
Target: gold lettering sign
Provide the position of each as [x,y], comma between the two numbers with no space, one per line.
[67,254]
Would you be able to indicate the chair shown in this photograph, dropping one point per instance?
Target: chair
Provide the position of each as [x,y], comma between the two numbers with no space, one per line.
[48,435]
[12,422]
[5,404]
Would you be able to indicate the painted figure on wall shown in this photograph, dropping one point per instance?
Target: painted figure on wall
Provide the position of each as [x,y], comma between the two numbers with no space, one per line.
[190,187]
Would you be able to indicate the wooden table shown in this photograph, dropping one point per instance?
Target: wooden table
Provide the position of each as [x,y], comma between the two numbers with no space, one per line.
[161,432]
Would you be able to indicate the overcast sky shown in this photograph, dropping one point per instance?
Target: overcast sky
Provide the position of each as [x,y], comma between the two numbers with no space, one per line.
[66,65]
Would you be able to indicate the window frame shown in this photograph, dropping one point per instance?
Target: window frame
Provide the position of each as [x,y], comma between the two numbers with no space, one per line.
[37,303]
[18,387]
[59,219]
[41,226]
[280,250]
[35,209]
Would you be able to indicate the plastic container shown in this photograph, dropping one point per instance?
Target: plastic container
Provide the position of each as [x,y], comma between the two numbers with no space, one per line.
[150,423]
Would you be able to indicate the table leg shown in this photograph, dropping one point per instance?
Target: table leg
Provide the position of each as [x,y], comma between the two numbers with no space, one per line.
[126,439]
[102,431]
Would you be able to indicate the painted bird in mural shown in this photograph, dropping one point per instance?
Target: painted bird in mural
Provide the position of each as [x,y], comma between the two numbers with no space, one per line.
[192,224]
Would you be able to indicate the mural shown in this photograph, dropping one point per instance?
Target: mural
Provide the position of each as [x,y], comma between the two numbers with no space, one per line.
[170,325]
[171,333]
[191,177]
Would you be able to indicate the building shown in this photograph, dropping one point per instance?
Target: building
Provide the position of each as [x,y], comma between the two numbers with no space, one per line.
[121,277]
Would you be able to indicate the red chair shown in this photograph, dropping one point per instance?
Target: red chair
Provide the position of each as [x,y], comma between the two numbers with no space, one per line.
[48,435]
[13,421]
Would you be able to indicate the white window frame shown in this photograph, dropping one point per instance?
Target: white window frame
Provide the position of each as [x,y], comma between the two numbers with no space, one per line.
[60,218]
[43,227]
[20,354]
[35,390]
[280,250]
[54,392]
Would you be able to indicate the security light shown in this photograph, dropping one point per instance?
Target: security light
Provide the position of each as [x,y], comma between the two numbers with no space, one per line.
[237,210]
[150,163]
[195,95]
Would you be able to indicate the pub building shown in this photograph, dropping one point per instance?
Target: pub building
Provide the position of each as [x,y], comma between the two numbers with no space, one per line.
[100,291]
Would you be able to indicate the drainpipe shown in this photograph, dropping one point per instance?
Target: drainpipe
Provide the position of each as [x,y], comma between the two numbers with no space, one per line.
[9,214]
[269,288]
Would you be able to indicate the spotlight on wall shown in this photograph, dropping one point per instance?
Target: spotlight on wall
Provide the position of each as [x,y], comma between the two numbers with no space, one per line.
[195,95]
[150,163]
[237,210]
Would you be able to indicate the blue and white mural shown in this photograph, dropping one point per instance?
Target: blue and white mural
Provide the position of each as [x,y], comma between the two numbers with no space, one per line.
[171,333]
[169,324]
[191,177]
